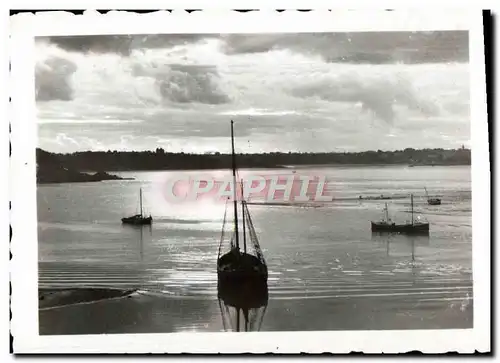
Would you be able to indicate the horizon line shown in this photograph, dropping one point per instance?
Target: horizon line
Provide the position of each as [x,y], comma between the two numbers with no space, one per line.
[252,153]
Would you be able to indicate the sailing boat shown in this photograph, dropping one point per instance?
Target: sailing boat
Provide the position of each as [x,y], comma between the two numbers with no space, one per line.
[138,219]
[432,201]
[236,267]
[413,227]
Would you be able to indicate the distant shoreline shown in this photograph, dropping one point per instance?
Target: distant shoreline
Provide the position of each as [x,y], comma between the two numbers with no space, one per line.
[57,168]
[283,167]
[60,175]
[364,165]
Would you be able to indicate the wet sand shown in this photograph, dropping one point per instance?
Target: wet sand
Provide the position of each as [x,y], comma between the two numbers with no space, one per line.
[51,298]
[154,313]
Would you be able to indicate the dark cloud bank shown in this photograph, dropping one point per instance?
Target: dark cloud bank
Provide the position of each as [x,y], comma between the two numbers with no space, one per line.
[358,47]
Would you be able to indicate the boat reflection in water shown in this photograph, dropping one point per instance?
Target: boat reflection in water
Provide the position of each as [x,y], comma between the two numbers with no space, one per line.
[149,231]
[242,307]
[397,244]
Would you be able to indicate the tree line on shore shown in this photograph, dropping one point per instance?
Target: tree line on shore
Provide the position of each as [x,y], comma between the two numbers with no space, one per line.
[163,160]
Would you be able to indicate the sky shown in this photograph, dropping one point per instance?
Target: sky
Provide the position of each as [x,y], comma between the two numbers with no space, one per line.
[306,92]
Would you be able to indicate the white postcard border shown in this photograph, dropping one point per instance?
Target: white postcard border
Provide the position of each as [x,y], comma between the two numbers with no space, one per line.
[24,245]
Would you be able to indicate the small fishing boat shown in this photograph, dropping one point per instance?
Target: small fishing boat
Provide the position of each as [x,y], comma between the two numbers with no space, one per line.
[387,225]
[138,219]
[237,267]
[432,201]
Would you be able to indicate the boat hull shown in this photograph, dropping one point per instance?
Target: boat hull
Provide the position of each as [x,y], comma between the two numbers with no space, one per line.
[435,201]
[137,220]
[241,269]
[420,228]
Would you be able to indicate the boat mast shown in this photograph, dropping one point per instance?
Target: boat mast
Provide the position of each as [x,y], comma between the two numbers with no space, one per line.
[142,247]
[140,199]
[243,219]
[237,319]
[234,186]
[245,316]
[412,209]
[413,250]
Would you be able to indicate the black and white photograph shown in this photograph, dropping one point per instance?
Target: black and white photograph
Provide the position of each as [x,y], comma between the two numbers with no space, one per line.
[240,181]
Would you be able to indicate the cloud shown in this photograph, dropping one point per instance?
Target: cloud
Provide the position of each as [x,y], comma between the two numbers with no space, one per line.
[62,139]
[122,44]
[180,83]
[288,98]
[86,121]
[360,47]
[119,44]
[380,95]
[118,83]
[259,112]
[53,79]
[155,41]
[357,47]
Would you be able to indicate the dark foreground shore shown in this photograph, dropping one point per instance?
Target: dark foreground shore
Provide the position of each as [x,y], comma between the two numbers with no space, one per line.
[414,308]
[49,298]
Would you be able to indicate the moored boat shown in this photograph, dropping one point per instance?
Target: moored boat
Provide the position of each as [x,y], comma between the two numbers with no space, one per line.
[138,219]
[412,227]
[238,267]
[432,201]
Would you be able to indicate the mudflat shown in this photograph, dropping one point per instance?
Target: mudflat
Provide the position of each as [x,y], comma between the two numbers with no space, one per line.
[48,298]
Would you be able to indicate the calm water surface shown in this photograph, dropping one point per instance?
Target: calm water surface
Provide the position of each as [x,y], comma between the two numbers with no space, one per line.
[327,270]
